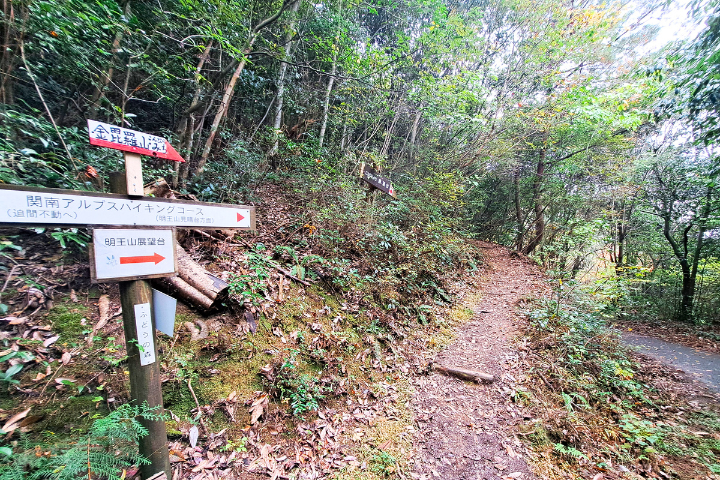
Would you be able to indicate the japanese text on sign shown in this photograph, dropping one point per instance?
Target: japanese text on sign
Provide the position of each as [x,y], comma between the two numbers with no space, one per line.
[18,206]
[143,324]
[123,136]
[132,241]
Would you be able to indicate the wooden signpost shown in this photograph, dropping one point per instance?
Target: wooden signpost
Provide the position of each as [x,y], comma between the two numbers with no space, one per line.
[376,180]
[128,254]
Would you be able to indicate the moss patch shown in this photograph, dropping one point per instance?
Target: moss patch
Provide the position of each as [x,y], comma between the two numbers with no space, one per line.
[67,321]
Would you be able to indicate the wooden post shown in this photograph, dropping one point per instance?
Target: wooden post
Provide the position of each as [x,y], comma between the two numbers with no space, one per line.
[145,383]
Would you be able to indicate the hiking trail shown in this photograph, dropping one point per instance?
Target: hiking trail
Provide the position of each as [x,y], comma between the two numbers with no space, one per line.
[465,430]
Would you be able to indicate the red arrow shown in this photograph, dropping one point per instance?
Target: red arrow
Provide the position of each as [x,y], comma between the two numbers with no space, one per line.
[240,217]
[157,258]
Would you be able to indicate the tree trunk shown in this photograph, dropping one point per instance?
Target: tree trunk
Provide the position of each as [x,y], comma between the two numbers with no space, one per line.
[281,85]
[230,89]
[326,106]
[539,209]
[99,92]
[222,111]
[519,240]
[186,128]
[415,129]
[7,61]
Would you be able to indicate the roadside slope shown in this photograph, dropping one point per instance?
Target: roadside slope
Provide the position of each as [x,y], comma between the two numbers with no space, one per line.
[465,431]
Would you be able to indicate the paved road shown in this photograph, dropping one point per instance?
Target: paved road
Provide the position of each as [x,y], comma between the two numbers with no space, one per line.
[701,365]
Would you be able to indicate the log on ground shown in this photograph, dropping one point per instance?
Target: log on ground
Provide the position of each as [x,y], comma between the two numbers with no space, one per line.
[464,374]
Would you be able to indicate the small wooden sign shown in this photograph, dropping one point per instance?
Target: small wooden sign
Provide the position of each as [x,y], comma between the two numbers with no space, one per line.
[120,254]
[118,138]
[373,178]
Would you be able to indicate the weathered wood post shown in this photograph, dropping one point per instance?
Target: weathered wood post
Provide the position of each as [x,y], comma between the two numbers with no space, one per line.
[145,383]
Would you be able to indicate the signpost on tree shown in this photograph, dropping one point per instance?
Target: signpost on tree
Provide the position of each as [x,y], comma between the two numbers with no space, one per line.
[128,254]
[376,180]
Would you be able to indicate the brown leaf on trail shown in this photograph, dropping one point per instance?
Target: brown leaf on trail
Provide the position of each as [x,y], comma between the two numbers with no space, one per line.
[30,420]
[268,372]
[66,358]
[599,476]
[104,311]
[14,422]
[385,445]
[50,341]
[16,320]
[250,319]
[277,332]
[257,407]
[39,377]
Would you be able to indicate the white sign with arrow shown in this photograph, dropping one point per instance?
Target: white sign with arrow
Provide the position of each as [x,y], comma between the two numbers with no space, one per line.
[131,254]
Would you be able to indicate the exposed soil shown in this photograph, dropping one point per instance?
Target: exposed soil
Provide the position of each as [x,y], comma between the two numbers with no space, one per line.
[467,431]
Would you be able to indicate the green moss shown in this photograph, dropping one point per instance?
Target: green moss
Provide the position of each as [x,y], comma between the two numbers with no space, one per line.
[66,319]
[72,416]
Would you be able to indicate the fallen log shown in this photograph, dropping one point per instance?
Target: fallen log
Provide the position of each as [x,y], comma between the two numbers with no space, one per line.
[185,291]
[195,275]
[464,374]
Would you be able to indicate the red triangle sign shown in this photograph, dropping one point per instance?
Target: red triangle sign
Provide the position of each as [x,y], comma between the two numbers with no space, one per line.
[240,217]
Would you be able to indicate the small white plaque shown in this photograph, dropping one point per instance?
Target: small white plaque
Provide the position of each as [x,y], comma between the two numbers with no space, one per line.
[143,324]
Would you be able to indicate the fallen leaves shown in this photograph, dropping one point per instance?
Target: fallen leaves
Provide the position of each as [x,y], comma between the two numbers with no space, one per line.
[257,408]
[13,423]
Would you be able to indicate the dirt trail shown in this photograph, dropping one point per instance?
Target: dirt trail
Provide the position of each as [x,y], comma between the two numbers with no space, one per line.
[465,430]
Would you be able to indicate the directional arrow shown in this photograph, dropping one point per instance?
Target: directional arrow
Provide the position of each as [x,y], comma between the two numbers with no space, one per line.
[155,258]
[240,217]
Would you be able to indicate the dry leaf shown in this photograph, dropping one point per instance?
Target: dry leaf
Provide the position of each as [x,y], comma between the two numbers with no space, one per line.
[14,421]
[104,310]
[256,410]
[194,434]
[50,341]
[66,358]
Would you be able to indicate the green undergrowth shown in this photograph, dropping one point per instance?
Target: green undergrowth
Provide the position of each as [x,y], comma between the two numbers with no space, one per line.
[104,450]
[598,409]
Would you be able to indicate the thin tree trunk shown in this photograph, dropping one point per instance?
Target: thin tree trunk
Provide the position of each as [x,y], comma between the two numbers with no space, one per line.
[186,128]
[7,61]
[230,89]
[106,78]
[343,138]
[519,240]
[539,209]
[390,130]
[277,123]
[326,106]
[415,129]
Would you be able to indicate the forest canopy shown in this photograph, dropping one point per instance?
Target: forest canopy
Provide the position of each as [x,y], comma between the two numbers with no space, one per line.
[542,125]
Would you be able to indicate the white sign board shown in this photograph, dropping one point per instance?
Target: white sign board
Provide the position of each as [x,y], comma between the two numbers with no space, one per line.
[143,324]
[119,138]
[130,254]
[69,207]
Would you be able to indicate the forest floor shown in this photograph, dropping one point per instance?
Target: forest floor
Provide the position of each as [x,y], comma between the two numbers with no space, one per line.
[382,413]
[466,430]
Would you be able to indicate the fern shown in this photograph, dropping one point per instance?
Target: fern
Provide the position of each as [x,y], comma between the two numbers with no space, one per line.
[109,447]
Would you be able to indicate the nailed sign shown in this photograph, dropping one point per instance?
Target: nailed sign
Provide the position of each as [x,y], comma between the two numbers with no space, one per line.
[45,206]
[373,178]
[106,135]
[131,254]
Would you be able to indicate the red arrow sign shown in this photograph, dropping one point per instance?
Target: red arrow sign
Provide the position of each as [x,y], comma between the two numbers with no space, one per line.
[156,258]
[240,217]
[111,136]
